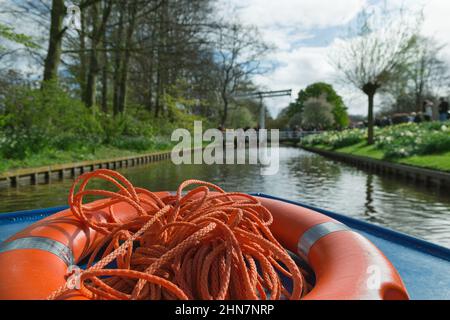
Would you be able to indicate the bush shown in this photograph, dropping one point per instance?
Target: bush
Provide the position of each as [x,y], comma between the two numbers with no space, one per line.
[335,139]
[132,143]
[35,119]
[411,139]
[43,121]
[139,143]
[317,113]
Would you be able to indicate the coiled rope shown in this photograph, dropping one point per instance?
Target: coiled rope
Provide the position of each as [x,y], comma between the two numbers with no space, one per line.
[206,244]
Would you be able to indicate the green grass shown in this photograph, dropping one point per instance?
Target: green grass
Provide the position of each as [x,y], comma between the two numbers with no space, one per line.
[363,150]
[52,157]
[439,162]
[435,161]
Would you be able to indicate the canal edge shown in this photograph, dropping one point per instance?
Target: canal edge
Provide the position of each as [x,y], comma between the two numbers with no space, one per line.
[47,174]
[417,174]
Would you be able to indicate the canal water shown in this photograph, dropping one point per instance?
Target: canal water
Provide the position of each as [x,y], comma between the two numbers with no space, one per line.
[417,210]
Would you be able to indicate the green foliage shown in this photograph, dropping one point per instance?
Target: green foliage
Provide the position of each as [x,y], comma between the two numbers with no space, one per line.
[48,120]
[316,90]
[123,125]
[132,143]
[241,117]
[33,120]
[341,118]
[295,120]
[9,34]
[282,121]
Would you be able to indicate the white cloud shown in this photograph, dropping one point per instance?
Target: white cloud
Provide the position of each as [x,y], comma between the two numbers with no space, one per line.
[299,68]
[286,22]
[302,13]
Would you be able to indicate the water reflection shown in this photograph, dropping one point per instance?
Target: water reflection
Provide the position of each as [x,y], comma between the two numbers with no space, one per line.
[370,211]
[303,176]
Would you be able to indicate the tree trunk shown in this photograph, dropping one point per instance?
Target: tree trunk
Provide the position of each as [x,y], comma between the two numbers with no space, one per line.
[162,57]
[98,31]
[82,55]
[370,90]
[105,78]
[118,61]
[150,85]
[370,121]
[53,57]
[158,94]
[225,110]
[124,70]
[91,85]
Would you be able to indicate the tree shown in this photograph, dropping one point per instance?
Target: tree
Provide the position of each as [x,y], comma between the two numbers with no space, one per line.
[377,54]
[96,36]
[57,30]
[317,90]
[423,79]
[138,51]
[317,113]
[239,50]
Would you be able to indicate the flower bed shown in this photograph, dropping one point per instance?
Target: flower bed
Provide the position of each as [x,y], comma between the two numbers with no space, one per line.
[396,142]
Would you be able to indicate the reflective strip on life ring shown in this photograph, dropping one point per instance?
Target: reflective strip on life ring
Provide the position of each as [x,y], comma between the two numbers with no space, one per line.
[57,248]
[310,237]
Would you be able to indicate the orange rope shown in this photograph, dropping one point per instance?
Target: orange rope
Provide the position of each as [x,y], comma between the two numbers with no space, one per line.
[206,244]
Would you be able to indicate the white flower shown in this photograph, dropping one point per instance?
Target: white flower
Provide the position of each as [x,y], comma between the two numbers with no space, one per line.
[444,128]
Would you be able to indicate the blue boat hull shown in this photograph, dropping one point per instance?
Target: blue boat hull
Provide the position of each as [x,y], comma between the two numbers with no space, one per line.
[424,267]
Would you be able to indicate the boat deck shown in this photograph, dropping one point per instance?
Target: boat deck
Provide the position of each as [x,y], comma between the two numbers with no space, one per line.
[424,267]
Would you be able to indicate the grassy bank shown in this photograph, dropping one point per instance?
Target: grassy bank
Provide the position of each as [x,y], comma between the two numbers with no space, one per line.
[40,127]
[52,157]
[421,145]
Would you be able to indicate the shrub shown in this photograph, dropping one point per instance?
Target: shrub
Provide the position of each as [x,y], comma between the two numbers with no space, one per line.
[412,139]
[44,121]
[335,139]
[141,143]
[132,143]
[317,113]
[35,119]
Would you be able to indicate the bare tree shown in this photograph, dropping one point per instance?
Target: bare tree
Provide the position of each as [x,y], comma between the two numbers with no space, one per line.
[424,78]
[239,53]
[377,53]
[98,32]
[428,73]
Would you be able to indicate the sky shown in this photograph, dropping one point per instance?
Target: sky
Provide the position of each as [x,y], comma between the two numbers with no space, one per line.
[304,31]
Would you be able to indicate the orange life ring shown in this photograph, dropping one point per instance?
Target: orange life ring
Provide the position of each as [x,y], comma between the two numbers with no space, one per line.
[347,266]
